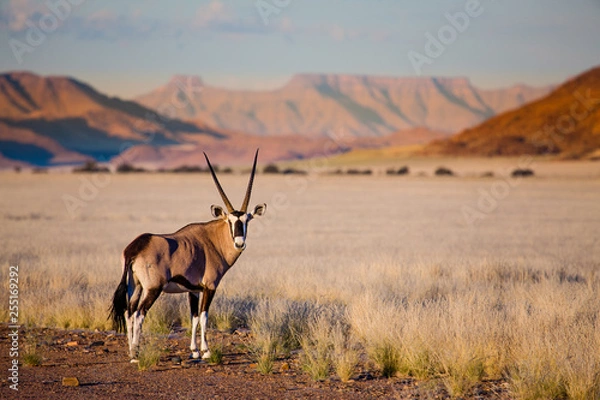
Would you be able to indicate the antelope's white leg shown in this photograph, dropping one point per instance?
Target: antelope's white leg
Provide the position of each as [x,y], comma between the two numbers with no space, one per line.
[193,344]
[138,320]
[129,321]
[203,342]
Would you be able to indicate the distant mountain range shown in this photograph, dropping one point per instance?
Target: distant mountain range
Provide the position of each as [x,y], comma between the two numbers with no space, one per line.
[566,124]
[317,105]
[56,120]
[59,120]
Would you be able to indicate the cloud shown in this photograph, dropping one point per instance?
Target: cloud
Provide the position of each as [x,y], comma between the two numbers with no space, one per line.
[14,14]
[216,17]
[213,13]
[220,17]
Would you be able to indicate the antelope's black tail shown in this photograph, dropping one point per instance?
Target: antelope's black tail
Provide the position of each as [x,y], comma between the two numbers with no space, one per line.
[119,302]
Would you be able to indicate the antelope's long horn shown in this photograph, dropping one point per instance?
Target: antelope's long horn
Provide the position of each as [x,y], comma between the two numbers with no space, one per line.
[249,190]
[230,208]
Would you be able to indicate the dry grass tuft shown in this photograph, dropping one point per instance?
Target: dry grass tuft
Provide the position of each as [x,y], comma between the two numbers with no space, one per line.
[31,354]
[276,326]
[216,355]
[316,346]
[346,353]
[151,350]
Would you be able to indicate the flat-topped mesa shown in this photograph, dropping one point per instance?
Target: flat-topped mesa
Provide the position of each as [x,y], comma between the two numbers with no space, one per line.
[347,80]
[318,103]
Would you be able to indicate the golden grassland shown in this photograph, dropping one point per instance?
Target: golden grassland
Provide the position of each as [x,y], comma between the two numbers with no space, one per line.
[376,268]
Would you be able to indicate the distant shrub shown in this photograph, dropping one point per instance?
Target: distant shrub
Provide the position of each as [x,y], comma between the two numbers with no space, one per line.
[488,174]
[522,172]
[127,168]
[401,171]
[17,169]
[91,166]
[188,169]
[227,170]
[359,172]
[293,171]
[443,171]
[271,169]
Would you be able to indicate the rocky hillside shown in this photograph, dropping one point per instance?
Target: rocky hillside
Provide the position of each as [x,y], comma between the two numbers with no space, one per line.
[566,123]
[57,120]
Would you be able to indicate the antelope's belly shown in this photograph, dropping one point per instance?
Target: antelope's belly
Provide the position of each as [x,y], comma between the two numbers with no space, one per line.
[173,287]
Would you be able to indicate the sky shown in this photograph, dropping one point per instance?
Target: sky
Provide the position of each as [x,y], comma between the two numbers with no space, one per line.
[126,48]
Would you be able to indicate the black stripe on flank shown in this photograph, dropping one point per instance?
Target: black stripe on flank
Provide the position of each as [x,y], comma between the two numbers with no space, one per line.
[172,245]
[181,280]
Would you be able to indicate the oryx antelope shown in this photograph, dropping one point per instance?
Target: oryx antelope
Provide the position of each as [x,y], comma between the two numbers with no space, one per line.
[193,259]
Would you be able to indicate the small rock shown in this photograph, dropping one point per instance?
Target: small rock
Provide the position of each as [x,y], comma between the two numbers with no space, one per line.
[97,343]
[209,370]
[176,360]
[72,344]
[284,367]
[242,331]
[70,381]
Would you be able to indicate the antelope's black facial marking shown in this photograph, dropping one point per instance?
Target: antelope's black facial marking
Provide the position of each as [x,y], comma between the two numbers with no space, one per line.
[238,222]
[238,228]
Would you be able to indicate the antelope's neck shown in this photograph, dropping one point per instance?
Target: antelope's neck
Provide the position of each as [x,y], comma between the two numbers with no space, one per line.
[224,243]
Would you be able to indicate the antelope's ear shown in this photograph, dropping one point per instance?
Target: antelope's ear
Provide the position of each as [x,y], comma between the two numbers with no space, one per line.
[218,212]
[259,210]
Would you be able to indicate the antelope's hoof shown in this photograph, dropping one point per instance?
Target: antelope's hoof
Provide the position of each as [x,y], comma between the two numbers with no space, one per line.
[195,354]
[206,355]
[134,361]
